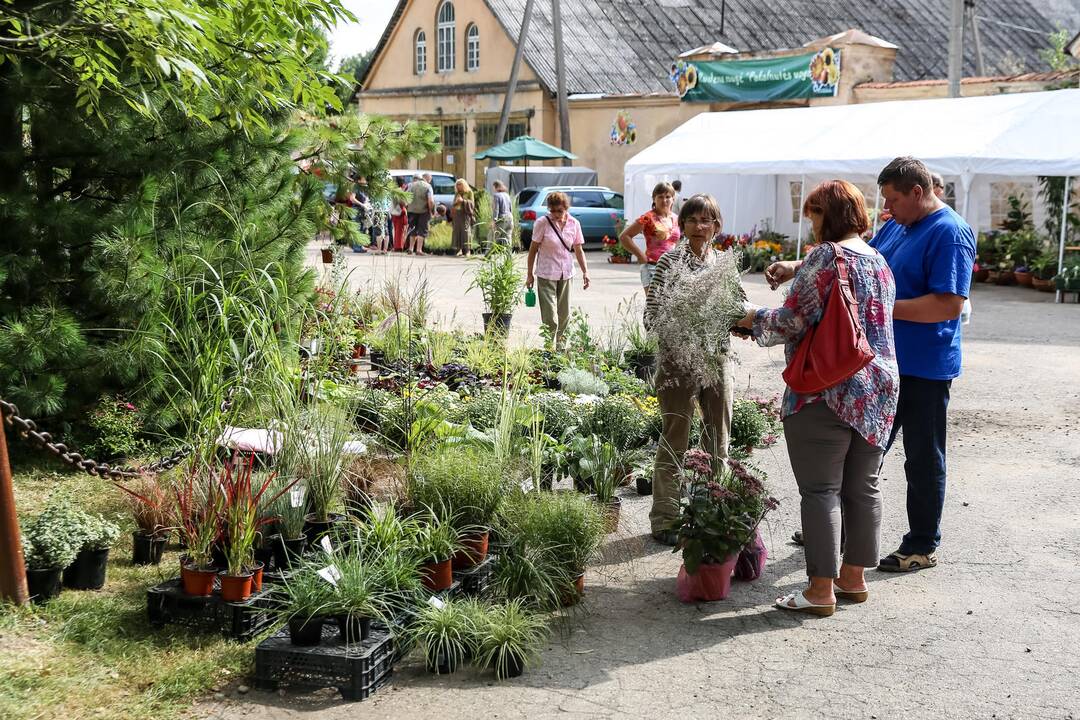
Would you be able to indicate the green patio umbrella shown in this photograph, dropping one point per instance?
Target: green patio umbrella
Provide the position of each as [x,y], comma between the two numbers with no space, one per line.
[524,148]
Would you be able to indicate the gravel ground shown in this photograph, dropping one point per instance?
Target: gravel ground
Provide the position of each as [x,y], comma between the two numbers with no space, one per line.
[992,632]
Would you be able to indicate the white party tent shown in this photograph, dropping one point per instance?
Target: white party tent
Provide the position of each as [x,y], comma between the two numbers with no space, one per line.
[757,162]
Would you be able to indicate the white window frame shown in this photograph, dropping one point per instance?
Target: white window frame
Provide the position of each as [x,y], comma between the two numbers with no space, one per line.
[445,44]
[472,48]
[419,53]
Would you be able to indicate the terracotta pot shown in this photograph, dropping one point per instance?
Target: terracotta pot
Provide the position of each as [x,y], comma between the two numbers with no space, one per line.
[1022,278]
[438,576]
[1042,285]
[474,552]
[235,588]
[1005,278]
[617,260]
[257,577]
[573,597]
[198,581]
[980,275]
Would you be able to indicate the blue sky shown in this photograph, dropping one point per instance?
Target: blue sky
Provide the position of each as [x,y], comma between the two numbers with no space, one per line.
[352,38]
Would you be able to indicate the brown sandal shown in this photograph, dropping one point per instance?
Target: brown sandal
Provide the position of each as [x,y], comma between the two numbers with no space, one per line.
[900,563]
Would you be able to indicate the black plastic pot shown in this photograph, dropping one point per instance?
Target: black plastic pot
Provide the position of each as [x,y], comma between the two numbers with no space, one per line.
[378,357]
[514,667]
[287,552]
[501,322]
[353,629]
[88,570]
[306,632]
[314,529]
[147,549]
[263,554]
[441,664]
[644,484]
[43,585]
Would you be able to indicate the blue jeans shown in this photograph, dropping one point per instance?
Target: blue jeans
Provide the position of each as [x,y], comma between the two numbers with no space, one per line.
[921,414]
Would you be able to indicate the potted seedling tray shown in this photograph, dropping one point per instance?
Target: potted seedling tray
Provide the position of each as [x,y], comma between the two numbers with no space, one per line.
[168,604]
[356,669]
[476,580]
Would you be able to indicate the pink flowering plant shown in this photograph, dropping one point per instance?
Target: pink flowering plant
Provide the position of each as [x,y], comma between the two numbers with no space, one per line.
[724,503]
[117,425]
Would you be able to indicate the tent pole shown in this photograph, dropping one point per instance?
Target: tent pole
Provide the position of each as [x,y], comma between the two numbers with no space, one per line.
[1058,295]
[802,199]
[877,208]
[735,211]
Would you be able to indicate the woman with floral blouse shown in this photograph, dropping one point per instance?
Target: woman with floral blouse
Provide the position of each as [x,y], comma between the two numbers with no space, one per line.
[836,437]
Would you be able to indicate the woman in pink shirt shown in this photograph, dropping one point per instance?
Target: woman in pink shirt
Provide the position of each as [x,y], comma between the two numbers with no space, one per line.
[556,242]
[660,226]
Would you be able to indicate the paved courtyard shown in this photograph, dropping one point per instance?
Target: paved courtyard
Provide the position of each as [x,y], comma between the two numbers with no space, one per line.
[992,632]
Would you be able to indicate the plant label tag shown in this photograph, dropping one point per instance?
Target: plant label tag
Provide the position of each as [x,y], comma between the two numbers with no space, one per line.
[436,603]
[330,574]
[528,484]
[296,497]
[326,544]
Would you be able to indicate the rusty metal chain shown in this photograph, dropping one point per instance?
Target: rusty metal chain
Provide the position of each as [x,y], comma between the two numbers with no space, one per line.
[28,430]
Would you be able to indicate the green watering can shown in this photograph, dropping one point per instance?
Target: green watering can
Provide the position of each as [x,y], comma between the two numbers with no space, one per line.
[530,297]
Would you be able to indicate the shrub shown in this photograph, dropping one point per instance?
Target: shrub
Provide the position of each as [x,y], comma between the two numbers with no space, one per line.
[754,424]
[559,411]
[116,425]
[617,420]
[463,483]
[482,409]
[581,382]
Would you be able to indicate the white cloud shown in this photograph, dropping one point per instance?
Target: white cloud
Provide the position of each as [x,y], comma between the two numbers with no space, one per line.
[352,38]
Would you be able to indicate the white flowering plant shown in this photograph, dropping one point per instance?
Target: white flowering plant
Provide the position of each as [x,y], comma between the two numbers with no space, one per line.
[694,316]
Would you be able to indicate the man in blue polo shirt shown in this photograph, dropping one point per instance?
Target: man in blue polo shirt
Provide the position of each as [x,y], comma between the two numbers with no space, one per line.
[930,250]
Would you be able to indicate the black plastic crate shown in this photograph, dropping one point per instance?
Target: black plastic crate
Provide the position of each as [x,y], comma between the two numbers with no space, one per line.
[168,604]
[476,580]
[355,669]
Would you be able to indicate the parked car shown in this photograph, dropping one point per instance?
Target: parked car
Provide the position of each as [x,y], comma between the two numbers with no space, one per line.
[598,209]
[441,182]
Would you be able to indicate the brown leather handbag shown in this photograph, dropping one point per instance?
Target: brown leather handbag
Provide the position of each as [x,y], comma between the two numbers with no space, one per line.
[836,347]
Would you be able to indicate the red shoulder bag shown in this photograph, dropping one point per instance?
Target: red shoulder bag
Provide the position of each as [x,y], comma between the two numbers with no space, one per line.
[836,348]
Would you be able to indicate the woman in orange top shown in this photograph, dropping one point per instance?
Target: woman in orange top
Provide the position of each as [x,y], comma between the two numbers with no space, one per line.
[660,226]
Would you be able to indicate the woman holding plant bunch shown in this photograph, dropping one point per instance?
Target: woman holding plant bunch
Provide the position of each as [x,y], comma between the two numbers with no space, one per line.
[690,370]
[836,436]
[660,226]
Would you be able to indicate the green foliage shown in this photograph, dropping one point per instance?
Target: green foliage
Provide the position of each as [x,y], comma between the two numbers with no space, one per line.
[616,419]
[465,484]
[482,409]
[446,632]
[440,238]
[511,634]
[117,425]
[499,280]
[1055,55]
[559,412]
[582,382]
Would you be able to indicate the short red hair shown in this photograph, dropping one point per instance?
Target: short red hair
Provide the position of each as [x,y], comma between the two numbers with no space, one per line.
[842,207]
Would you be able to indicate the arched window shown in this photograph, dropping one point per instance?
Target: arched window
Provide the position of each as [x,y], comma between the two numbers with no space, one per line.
[472,47]
[420,55]
[445,27]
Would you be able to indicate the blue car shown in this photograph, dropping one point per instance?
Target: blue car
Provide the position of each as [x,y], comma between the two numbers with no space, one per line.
[598,209]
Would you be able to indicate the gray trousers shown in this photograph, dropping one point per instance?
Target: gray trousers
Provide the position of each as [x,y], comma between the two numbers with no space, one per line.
[834,466]
[554,296]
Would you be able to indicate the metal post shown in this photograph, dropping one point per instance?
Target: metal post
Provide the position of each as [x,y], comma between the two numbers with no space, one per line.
[877,208]
[560,81]
[735,209]
[511,86]
[1058,295]
[802,200]
[956,47]
[980,67]
[12,570]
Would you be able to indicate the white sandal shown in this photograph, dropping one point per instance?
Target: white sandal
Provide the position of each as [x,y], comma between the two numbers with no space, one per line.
[803,605]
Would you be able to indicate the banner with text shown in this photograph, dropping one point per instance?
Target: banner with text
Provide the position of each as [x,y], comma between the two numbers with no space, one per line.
[795,77]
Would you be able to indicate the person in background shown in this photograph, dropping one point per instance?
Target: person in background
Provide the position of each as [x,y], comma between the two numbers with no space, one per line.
[836,437]
[420,209]
[502,214]
[676,205]
[699,223]
[462,215]
[660,226]
[939,190]
[557,241]
[399,217]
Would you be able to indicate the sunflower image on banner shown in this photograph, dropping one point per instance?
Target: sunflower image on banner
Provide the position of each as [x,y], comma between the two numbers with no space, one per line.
[623,130]
[825,72]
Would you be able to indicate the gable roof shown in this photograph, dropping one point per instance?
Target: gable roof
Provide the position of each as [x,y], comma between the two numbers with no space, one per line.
[627,46]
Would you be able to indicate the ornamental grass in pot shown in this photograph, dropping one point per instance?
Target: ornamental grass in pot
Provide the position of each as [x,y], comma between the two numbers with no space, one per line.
[320,451]
[470,481]
[499,280]
[198,510]
[288,512]
[446,633]
[356,600]
[436,542]
[148,502]
[509,639]
[305,601]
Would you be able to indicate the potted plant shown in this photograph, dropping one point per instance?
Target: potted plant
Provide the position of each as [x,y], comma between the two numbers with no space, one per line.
[468,482]
[720,512]
[48,547]
[986,256]
[1068,280]
[306,600]
[616,252]
[87,572]
[641,351]
[509,639]
[445,631]
[321,451]
[148,503]
[437,541]
[288,511]
[597,471]
[198,511]
[241,523]
[356,601]
[482,228]
[499,280]
[1043,269]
